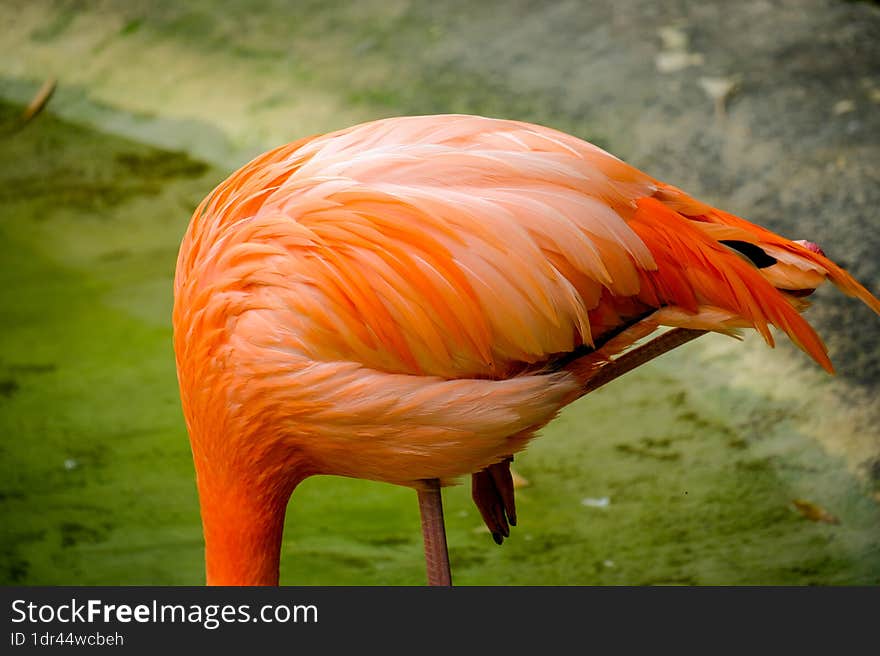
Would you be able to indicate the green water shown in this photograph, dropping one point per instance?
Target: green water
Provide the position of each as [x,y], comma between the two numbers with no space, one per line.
[96,482]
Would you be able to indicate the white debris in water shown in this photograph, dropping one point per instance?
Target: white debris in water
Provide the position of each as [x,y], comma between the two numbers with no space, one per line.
[674,55]
[609,563]
[844,106]
[70,464]
[671,62]
[718,88]
[673,37]
[596,502]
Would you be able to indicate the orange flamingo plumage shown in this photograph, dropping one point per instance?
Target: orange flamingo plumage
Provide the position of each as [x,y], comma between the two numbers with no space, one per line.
[410,299]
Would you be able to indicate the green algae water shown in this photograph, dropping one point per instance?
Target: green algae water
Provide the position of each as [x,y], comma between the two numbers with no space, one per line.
[683,472]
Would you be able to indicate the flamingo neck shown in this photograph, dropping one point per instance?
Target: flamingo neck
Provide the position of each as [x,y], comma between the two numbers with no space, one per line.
[243,528]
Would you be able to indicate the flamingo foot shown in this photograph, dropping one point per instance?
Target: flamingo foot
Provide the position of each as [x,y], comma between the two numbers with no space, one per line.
[492,492]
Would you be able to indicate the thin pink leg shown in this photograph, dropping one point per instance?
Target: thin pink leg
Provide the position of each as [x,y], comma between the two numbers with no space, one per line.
[434,534]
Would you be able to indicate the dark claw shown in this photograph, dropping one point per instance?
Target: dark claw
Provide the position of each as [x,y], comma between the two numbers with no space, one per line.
[497,537]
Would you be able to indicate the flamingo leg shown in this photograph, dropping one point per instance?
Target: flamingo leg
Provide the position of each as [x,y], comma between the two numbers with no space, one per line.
[434,534]
[639,356]
[492,492]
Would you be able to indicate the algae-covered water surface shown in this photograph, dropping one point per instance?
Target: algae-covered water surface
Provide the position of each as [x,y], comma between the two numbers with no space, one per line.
[722,463]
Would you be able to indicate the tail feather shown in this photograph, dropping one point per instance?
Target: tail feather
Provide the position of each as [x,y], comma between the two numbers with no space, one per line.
[717,277]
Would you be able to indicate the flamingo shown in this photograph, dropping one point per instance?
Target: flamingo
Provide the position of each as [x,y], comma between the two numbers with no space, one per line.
[409,300]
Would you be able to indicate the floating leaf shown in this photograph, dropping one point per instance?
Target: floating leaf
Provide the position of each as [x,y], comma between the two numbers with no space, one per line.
[814,512]
[40,100]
